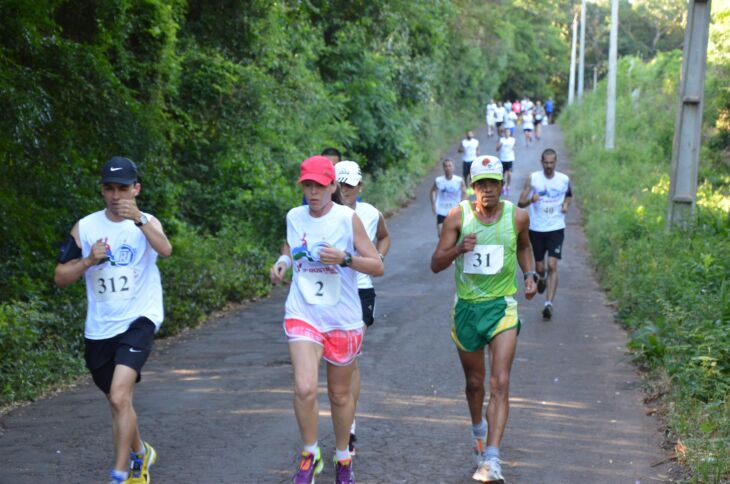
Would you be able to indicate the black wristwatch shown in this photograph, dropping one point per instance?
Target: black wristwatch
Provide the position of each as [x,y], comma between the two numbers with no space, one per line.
[143,220]
[347,261]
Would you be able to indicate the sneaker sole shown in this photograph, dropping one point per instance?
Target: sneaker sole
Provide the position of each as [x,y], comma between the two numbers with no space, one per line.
[480,476]
[153,459]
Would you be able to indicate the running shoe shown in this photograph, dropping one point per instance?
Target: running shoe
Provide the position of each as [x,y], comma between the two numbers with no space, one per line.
[139,467]
[541,284]
[343,472]
[310,465]
[547,311]
[351,444]
[489,471]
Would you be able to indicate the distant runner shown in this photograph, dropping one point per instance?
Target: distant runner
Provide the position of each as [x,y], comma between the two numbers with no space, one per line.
[486,239]
[506,150]
[116,251]
[548,194]
[349,178]
[491,119]
[323,316]
[446,193]
[470,148]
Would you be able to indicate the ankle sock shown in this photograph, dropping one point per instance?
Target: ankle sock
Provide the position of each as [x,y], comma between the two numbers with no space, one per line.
[479,431]
[119,475]
[312,449]
[342,455]
[142,452]
[491,452]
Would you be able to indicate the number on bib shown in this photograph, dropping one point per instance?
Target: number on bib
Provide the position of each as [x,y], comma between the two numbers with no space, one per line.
[320,288]
[484,259]
[115,284]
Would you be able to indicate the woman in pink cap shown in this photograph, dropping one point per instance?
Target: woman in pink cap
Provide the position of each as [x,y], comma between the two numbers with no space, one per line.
[327,245]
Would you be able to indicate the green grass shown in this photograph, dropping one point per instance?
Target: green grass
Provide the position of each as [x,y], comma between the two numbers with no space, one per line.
[672,288]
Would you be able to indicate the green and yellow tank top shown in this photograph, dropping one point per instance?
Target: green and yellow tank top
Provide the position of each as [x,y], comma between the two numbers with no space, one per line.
[489,271]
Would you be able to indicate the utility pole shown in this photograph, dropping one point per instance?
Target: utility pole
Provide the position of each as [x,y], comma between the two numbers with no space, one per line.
[582,57]
[611,94]
[688,125]
[571,84]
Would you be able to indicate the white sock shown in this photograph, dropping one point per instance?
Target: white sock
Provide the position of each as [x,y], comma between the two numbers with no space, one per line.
[352,427]
[312,449]
[548,303]
[341,455]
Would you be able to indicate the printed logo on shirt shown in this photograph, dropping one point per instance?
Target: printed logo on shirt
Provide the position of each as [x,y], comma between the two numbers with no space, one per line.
[124,255]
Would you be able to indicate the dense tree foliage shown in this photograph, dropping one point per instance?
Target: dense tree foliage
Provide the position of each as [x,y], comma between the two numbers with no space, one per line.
[218,101]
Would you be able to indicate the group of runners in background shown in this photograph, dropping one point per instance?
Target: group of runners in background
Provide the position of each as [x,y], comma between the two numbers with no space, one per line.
[335,243]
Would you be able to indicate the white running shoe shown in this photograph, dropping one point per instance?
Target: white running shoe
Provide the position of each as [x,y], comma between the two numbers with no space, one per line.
[490,470]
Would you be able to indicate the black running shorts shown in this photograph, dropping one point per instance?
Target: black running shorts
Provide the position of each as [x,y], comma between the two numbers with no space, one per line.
[131,348]
[507,165]
[550,242]
[466,168]
[440,219]
[367,300]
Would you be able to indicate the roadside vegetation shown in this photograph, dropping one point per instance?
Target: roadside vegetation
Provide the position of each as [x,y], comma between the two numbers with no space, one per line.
[672,289]
[218,103]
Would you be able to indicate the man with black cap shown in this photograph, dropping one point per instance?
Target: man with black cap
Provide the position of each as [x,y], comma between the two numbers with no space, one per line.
[116,251]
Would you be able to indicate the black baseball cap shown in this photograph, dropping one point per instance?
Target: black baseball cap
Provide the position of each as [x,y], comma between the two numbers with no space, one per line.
[119,170]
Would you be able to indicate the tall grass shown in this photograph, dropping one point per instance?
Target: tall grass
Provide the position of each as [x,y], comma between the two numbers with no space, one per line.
[672,288]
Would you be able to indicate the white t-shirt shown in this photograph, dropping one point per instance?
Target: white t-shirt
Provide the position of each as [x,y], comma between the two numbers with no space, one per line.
[546,214]
[511,119]
[470,149]
[322,295]
[491,109]
[528,122]
[370,217]
[507,149]
[448,193]
[499,114]
[125,287]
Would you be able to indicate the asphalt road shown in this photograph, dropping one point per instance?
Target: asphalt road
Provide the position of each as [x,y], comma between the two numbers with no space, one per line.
[216,402]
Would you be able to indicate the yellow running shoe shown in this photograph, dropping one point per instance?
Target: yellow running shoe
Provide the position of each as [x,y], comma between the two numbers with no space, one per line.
[139,469]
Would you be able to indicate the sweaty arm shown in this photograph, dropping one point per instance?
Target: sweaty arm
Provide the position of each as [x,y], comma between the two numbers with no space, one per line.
[447,249]
[567,200]
[156,237]
[278,270]
[382,236]
[525,198]
[71,266]
[524,251]
[152,230]
[367,259]
[432,197]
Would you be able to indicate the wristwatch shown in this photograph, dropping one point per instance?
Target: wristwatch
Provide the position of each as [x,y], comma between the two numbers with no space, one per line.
[143,220]
[531,273]
[347,261]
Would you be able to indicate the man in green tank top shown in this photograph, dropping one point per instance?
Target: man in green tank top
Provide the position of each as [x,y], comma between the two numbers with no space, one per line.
[486,239]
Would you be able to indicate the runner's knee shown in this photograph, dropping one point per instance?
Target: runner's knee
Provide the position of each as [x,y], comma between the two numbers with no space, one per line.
[499,384]
[339,397]
[305,390]
[475,383]
[120,400]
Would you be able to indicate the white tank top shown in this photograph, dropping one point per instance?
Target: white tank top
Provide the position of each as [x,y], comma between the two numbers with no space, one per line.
[546,214]
[448,193]
[370,217]
[125,287]
[324,296]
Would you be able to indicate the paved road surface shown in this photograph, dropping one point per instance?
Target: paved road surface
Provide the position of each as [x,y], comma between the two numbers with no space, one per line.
[216,403]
